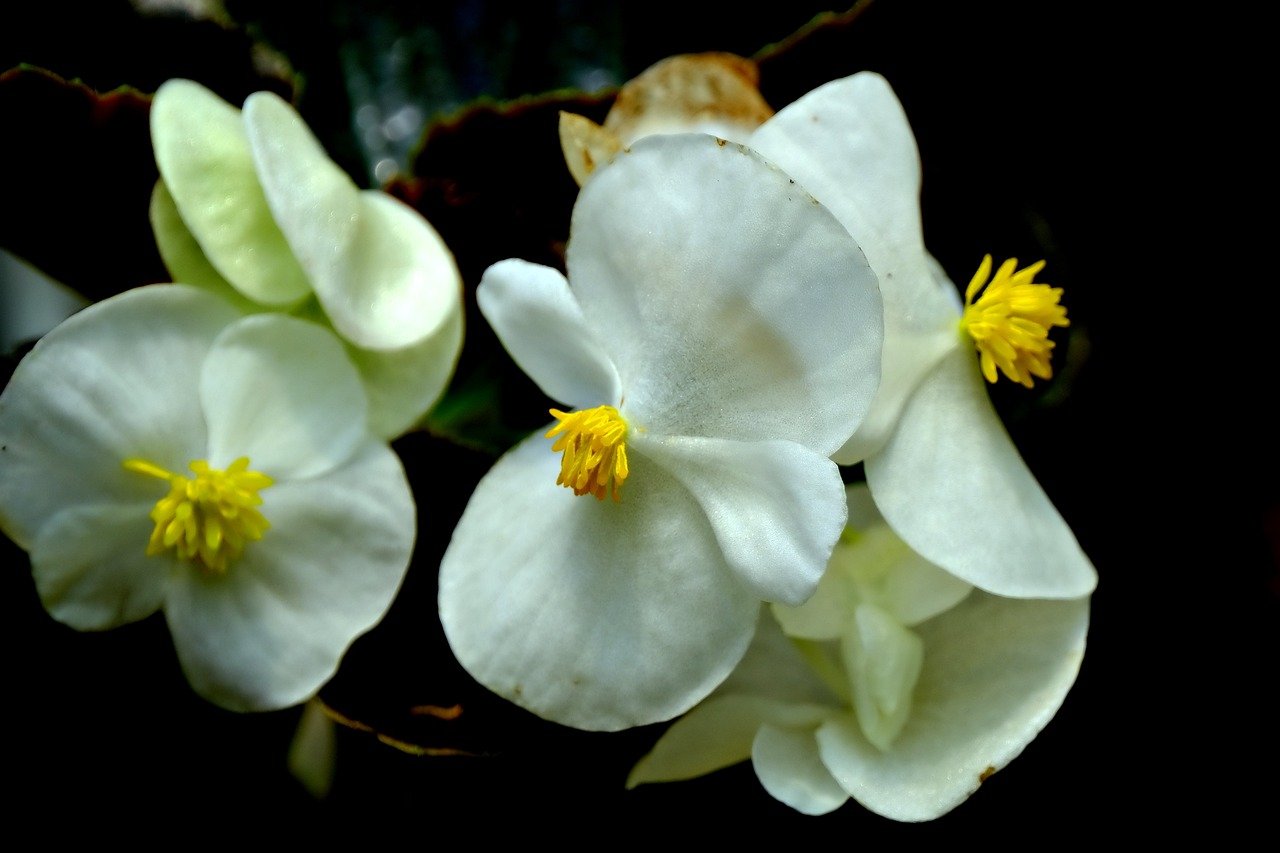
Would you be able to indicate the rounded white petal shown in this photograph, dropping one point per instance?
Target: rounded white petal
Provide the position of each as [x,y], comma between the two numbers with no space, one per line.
[776,507]
[537,318]
[271,631]
[282,392]
[952,485]
[204,158]
[116,381]
[787,763]
[402,385]
[995,672]
[717,734]
[732,304]
[91,567]
[848,142]
[384,276]
[595,614]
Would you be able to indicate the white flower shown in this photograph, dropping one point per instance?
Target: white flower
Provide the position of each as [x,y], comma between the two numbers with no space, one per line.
[938,461]
[160,451]
[896,684]
[250,206]
[718,338]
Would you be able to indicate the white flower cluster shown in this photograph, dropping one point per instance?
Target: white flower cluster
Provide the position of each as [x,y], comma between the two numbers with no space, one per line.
[201,448]
[736,319]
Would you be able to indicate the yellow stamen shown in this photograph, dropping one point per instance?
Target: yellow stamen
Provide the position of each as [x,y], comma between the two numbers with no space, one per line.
[1010,322]
[595,450]
[207,519]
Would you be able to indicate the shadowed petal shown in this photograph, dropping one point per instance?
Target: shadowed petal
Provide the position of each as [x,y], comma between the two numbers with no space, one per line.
[91,566]
[787,763]
[282,392]
[995,672]
[952,485]
[116,381]
[271,631]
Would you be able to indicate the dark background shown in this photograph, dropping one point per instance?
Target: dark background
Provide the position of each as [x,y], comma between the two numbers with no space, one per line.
[1057,130]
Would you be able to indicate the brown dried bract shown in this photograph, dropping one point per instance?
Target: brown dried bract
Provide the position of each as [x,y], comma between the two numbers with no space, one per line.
[696,91]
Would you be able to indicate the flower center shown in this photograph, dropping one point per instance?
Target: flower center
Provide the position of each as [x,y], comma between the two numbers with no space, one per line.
[209,518]
[595,450]
[1010,321]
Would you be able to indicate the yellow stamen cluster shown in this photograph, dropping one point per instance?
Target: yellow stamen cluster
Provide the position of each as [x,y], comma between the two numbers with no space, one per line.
[209,519]
[595,451]
[1010,321]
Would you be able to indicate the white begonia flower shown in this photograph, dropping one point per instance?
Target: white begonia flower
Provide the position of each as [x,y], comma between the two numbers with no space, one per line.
[896,684]
[251,207]
[161,451]
[718,338]
[938,461]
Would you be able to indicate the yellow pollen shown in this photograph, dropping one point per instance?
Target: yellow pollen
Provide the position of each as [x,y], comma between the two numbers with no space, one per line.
[1010,322]
[207,519]
[595,450]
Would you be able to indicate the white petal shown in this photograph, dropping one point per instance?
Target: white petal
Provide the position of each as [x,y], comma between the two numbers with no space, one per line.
[827,612]
[888,573]
[732,304]
[776,507]
[777,668]
[995,672]
[908,357]
[595,614]
[91,566]
[397,284]
[384,276]
[282,392]
[787,763]
[203,154]
[951,483]
[116,381]
[717,734]
[883,661]
[871,563]
[849,144]
[538,320]
[183,256]
[402,385]
[271,631]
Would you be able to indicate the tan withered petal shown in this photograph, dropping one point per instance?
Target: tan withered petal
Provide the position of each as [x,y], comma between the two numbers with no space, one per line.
[586,145]
[712,92]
